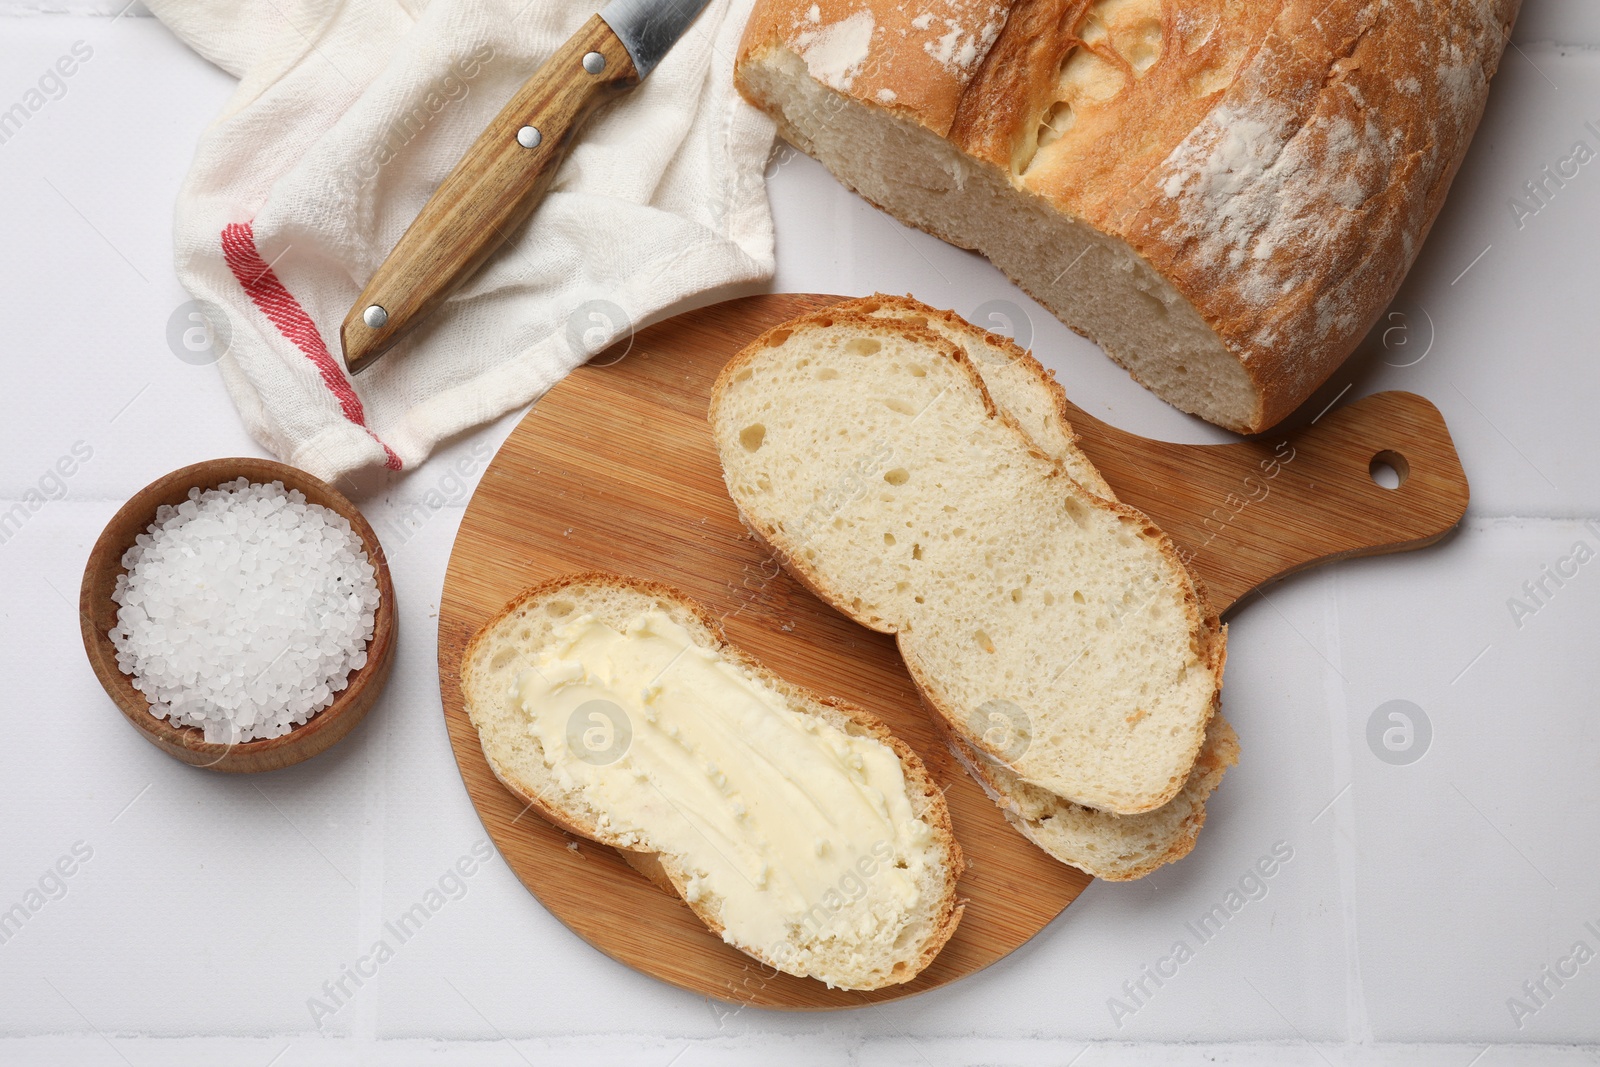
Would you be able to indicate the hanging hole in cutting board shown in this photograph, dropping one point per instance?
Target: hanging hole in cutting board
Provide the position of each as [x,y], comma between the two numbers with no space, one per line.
[1389,470]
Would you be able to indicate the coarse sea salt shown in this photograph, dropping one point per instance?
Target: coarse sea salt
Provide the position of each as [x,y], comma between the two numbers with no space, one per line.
[244,610]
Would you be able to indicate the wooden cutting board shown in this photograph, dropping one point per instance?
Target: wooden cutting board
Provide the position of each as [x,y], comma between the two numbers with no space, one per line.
[615,470]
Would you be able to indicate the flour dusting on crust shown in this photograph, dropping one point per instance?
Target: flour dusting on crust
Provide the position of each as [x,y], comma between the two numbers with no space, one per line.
[1278,199]
[836,53]
[960,43]
[1251,180]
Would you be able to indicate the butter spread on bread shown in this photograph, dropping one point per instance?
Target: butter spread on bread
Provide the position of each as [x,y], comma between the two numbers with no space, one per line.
[773,808]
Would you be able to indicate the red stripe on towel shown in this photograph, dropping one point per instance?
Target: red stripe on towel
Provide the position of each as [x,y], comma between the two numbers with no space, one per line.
[267,293]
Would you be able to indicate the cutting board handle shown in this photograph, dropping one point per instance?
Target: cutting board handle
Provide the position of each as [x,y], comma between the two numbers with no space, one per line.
[1252,512]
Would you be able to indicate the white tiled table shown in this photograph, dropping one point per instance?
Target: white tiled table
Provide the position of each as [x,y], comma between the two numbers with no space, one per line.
[1419,897]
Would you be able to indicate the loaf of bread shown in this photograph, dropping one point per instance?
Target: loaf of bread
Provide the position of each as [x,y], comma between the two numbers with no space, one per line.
[795,826]
[1049,626]
[1223,194]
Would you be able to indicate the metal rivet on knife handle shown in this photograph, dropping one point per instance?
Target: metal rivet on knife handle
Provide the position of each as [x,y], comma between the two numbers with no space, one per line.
[594,62]
[375,317]
[529,137]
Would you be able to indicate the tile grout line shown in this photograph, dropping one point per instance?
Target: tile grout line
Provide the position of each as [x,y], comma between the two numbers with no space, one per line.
[844,227]
[1347,858]
[639,1045]
[376,507]
[369,915]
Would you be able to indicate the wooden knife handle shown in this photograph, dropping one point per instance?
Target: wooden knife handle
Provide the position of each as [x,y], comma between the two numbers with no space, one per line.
[490,192]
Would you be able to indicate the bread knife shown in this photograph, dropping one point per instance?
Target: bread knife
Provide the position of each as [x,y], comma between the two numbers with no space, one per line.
[503,176]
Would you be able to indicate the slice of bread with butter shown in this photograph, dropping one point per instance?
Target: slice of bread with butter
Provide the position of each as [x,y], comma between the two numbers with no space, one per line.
[870,453]
[796,826]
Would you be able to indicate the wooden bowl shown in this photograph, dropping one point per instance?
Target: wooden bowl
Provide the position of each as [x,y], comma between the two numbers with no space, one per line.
[97,614]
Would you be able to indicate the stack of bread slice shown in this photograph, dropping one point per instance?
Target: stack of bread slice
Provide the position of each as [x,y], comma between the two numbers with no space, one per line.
[920,475]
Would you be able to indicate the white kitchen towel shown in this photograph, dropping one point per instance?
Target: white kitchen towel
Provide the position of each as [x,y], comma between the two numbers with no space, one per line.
[347,116]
